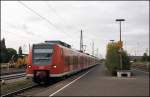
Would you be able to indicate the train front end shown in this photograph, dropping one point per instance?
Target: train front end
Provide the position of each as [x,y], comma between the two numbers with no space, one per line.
[39,62]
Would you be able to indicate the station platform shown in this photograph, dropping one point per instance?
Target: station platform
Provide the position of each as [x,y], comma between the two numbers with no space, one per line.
[98,82]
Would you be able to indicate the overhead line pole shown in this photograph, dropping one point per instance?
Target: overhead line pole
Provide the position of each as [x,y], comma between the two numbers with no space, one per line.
[81,41]
[92,48]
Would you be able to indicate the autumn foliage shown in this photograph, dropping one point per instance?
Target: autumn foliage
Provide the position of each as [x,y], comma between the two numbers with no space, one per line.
[113,58]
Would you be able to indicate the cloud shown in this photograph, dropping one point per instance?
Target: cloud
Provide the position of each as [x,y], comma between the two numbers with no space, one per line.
[95,18]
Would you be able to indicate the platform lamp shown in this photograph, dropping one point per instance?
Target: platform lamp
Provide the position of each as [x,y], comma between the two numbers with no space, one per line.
[112,40]
[120,49]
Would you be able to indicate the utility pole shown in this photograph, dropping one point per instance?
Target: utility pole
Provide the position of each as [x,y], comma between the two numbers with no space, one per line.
[92,48]
[29,47]
[81,42]
[97,52]
[147,51]
[84,48]
[138,48]
[120,50]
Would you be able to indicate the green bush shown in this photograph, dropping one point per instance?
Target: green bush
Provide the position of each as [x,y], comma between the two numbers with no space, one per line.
[113,58]
[125,61]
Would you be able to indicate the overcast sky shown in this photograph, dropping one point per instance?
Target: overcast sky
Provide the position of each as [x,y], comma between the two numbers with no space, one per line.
[29,22]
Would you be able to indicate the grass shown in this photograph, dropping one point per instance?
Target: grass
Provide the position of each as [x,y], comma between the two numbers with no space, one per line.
[11,87]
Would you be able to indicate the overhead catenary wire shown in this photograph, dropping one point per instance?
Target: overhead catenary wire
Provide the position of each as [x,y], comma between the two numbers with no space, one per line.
[14,34]
[20,35]
[42,17]
[56,13]
[46,19]
[52,9]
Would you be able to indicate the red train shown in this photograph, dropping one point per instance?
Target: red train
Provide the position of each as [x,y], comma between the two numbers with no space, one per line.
[54,59]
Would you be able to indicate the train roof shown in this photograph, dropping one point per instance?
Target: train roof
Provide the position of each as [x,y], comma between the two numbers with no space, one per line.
[58,42]
[81,52]
[63,44]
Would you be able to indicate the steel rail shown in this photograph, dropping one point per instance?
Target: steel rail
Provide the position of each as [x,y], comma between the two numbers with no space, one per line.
[18,91]
[12,76]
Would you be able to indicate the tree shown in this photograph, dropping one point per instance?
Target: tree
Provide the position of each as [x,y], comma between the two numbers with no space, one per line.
[113,58]
[148,58]
[11,53]
[2,44]
[145,57]
[3,51]
[20,51]
[6,53]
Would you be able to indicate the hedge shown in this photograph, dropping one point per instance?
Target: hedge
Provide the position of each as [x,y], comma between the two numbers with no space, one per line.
[113,58]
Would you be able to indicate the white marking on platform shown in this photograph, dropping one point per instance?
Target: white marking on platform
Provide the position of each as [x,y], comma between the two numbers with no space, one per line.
[69,84]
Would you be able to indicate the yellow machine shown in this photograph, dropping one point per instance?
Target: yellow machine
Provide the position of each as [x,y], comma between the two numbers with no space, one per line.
[21,61]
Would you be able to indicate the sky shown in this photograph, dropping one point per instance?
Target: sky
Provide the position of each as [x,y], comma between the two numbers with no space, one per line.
[30,22]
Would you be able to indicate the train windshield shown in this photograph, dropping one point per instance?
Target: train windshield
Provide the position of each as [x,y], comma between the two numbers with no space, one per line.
[42,54]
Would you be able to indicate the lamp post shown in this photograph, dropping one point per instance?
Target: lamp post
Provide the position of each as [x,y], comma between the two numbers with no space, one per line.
[112,40]
[120,20]
[120,50]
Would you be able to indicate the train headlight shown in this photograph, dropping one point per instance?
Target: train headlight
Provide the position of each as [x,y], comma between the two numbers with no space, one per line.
[29,66]
[54,66]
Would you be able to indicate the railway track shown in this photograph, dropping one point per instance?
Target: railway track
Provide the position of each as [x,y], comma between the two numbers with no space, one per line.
[32,90]
[18,91]
[37,88]
[12,76]
[141,67]
[33,87]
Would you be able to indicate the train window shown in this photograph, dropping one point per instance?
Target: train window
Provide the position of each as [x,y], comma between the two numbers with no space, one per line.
[74,60]
[67,60]
[78,60]
[42,54]
[71,60]
[85,60]
[88,60]
[82,60]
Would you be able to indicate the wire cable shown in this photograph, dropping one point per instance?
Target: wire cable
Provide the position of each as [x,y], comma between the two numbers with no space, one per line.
[58,15]
[47,20]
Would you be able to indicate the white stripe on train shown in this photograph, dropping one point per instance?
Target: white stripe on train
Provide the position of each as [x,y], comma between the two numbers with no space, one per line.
[62,74]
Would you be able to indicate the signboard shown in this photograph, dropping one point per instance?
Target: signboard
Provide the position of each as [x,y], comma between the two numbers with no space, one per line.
[120,44]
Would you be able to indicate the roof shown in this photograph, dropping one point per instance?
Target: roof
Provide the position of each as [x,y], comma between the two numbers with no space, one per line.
[58,42]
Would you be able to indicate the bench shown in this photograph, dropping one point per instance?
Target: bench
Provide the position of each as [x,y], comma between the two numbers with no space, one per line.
[124,73]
